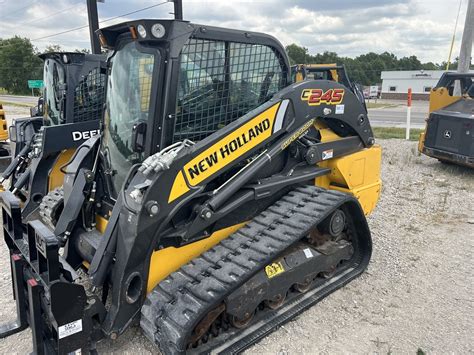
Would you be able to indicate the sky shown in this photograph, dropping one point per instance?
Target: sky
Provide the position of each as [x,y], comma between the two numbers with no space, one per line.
[348,27]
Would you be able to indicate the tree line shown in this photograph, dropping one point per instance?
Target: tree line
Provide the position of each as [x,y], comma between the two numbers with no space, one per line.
[365,68]
[19,63]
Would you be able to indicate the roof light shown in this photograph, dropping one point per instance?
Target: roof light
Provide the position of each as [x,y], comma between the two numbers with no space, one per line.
[141,31]
[158,30]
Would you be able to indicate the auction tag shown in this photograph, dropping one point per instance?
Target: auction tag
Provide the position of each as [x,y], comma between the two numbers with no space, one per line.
[327,154]
[70,329]
[308,253]
[339,109]
[274,269]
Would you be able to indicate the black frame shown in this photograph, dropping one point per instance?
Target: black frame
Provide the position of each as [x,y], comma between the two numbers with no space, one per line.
[78,65]
[177,34]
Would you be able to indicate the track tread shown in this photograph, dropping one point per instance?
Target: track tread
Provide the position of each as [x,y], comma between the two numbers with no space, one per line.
[229,264]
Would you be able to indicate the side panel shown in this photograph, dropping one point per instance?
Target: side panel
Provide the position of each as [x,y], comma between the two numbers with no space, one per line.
[439,98]
[357,174]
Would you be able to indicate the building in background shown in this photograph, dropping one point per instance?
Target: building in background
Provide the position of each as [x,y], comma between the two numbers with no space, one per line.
[395,84]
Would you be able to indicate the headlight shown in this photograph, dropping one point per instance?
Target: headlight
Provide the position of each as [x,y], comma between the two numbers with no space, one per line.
[158,30]
[141,31]
[65,59]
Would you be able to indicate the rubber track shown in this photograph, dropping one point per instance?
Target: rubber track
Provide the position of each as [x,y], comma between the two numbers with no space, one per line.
[174,307]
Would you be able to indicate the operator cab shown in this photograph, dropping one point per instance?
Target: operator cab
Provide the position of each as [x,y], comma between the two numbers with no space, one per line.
[73,87]
[172,80]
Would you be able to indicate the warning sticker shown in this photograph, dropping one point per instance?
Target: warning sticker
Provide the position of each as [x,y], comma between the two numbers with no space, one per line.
[339,109]
[327,154]
[70,329]
[274,269]
[308,253]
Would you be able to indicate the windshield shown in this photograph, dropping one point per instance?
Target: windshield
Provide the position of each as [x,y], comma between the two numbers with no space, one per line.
[53,80]
[128,102]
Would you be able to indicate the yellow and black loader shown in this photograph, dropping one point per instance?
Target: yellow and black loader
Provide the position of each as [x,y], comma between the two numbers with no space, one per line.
[67,114]
[219,201]
[449,132]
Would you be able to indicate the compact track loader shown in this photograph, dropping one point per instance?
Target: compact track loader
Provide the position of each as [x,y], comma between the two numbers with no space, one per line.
[67,115]
[449,132]
[220,200]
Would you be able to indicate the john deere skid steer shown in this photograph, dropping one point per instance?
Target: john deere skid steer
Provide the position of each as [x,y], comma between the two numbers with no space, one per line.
[68,114]
[449,133]
[219,201]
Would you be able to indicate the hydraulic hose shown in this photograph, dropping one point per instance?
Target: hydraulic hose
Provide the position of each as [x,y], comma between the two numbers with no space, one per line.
[15,163]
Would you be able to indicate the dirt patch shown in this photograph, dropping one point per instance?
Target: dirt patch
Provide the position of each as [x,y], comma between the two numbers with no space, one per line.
[416,294]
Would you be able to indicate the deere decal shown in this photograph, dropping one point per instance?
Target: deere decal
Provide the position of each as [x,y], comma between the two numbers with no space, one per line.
[316,97]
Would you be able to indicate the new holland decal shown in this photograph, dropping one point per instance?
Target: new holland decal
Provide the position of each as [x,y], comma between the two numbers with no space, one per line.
[315,97]
[228,149]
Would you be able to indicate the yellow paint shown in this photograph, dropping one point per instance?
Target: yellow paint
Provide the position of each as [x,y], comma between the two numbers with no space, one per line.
[299,68]
[357,174]
[179,187]
[222,162]
[208,167]
[145,76]
[439,98]
[327,134]
[3,125]
[165,261]
[334,75]
[56,176]
[274,269]
[101,223]
[421,142]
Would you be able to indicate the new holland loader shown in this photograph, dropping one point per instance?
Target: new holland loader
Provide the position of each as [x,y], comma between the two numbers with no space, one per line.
[449,132]
[67,114]
[219,201]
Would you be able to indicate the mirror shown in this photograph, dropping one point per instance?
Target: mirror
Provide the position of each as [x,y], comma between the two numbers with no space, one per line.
[138,137]
[37,110]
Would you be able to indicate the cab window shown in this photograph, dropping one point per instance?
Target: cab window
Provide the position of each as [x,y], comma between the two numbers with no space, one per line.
[221,81]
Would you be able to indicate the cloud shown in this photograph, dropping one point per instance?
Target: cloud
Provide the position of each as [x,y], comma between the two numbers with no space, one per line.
[348,27]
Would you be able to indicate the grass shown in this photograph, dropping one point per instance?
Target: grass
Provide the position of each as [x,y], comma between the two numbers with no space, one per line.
[395,132]
[379,105]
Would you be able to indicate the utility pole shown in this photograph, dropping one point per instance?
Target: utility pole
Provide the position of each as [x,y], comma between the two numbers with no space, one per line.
[467,39]
[93,25]
[178,9]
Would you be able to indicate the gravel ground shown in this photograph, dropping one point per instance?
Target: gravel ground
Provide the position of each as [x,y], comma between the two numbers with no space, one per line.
[416,294]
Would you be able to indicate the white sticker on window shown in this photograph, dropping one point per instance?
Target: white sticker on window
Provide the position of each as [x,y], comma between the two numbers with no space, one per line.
[339,109]
[308,253]
[70,329]
[327,154]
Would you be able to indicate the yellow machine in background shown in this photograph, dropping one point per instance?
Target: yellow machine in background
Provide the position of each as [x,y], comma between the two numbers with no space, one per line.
[449,133]
[300,72]
[5,157]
